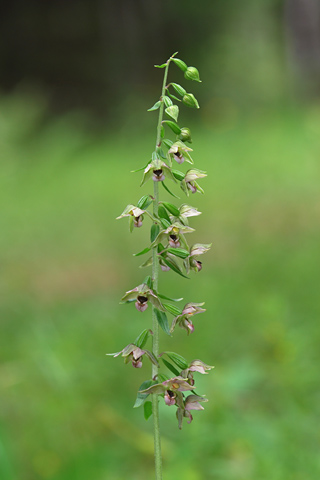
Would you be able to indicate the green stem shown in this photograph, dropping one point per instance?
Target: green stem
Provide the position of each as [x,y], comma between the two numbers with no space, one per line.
[155,325]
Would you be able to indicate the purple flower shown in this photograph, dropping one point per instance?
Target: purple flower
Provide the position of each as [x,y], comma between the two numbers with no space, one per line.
[180,152]
[189,182]
[192,402]
[192,262]
[134,354]
[142,294]
[184,319]
[158,171]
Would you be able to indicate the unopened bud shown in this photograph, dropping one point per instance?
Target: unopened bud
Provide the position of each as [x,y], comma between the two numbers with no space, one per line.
[192,74]
[185,135]
[190,100]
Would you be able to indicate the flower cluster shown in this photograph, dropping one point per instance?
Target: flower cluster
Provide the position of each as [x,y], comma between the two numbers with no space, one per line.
[170,252]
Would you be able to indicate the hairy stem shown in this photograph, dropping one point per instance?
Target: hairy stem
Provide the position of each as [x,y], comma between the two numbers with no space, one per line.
[155,325]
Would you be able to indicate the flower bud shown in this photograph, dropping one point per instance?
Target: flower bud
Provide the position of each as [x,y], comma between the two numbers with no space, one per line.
[190,100]
[185,135]
[192,74]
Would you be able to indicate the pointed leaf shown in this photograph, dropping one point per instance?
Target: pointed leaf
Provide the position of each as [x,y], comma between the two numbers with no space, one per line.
[147,263]
[147,409]
[155,229]
[145,250]
[148,281]
[180,361]
[161,66]
[168,143]
[162,131]
[155,106]
[163,213]
[171,367]
[142,396]
[174,127]
[169,298]
[165,223]
[163,321]
[178,175]
[174,267]
[169,191]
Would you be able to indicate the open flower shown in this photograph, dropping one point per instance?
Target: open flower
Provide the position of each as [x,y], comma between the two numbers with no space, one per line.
[134,213]
[134,354]
[192,262]
[192,402]
[170,389]
[158,171]
[189,182]
[142,294]
[184,319]
[174,234]
[195,366]
[180,152]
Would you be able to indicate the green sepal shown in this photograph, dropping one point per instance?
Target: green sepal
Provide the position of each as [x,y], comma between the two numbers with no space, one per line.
[180,64]
[154,232]
[173,112]
[178,175]
[163,321]
[162,212]
[144,202]
[178,360]
[155,106]
[139,169]
[167,101]
[141,340]
[165,223]
[174,127]
[147,263]
[141,397]
[171,209]
[145,250]
[161,66]
[180,90]
[169,191]
[172,309]
[178,252]
[147,409]
[148,281]
[171,367]
[169,298]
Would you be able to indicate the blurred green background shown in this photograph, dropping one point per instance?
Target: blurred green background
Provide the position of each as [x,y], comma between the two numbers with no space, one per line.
[77,79]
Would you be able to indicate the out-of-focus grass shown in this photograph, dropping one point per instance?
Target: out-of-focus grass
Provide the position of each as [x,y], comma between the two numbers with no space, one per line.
[66,409]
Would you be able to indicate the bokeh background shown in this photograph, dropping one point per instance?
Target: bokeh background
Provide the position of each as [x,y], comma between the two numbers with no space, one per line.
[76,80]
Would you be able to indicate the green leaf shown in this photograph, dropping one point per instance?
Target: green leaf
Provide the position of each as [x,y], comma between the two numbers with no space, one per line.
[180,64]
[147,263]
[173,266]
[167,101]
[178,175]
[147,409]
[163,321]
[180,361]
[171,208]
[165,223]
[131,224]
[145,250]
[169,298]
[174,127]
[173,112]
[144,202]
[154,232]
[162,377]
[179,89]
[179,252]
[161,66]
[148,281]
[168,143]
[142,396]
[141,340]
[169,191]
[162,212]
[174,97]
[171,367]
[155,106]
[172,309]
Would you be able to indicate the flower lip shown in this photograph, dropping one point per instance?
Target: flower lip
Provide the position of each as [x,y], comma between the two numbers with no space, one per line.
[142,299]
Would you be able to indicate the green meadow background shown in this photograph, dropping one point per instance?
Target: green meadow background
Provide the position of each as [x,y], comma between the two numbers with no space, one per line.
[76,81]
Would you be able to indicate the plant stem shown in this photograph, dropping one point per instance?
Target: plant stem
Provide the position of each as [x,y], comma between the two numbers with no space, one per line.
[155,325]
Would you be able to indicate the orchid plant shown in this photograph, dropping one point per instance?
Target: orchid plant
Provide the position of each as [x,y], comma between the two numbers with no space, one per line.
[170,252]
